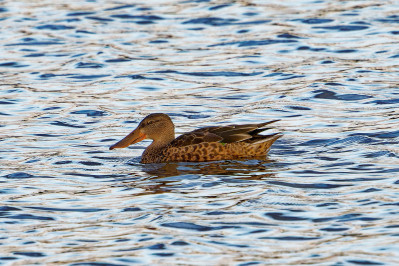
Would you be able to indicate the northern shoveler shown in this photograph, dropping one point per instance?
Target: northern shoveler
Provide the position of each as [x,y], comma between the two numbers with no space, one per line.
[204,144]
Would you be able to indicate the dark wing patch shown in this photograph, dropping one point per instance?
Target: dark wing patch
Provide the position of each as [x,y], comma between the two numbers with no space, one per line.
[236,134]
[192,138]
[214,130]
[224,134]
[261,127]
[263,138]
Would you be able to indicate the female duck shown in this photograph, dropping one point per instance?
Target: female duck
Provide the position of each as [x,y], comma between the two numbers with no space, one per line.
[204,144]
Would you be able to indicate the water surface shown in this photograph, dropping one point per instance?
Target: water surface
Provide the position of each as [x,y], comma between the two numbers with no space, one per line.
[76,77]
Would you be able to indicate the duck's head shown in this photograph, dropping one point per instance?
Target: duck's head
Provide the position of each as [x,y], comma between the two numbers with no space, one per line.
[158,127]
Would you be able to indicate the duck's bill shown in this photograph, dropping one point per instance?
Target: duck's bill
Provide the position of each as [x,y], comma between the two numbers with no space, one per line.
[134,137]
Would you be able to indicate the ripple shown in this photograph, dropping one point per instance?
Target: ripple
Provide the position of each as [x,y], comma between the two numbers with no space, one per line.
[19,175]
[30,42]
[220,73]
[254,43]
[146,18]
[326,94]
[99,19]
[89,65]
[342,27]
[119,7]
[118,60]
[91,113]
[315,20]
[212,21]
[364,262]
[390,101]
[66,210]
[54,27]
[312,185]
[64,124]
[29,217]
[281,217]
[30,254]
[88,76]
[139,77]
[292,238]
[12,64]
[390,19]
[195,227]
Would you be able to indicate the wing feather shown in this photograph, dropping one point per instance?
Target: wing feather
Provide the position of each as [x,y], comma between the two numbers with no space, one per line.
[225,134]
[192,138]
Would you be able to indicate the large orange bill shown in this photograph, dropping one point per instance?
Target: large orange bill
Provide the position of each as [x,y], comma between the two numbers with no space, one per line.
[134,137]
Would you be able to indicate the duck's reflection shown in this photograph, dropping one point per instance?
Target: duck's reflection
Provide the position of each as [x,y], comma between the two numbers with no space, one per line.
[166,177]
[249,170]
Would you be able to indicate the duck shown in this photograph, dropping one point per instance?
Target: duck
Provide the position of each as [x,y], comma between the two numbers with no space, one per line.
[212,143]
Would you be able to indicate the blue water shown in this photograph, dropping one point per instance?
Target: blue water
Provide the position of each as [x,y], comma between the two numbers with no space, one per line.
[77,77]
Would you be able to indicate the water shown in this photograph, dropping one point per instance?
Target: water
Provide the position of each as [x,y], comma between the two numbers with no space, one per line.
[77,77]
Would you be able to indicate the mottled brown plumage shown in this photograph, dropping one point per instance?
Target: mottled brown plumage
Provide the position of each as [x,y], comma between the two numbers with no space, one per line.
[203,144]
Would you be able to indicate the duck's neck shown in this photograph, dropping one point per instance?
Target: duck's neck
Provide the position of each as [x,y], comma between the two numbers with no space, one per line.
[157,146]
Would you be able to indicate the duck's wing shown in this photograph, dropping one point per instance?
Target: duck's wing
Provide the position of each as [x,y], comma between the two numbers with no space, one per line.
[223,134]
[192,138]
